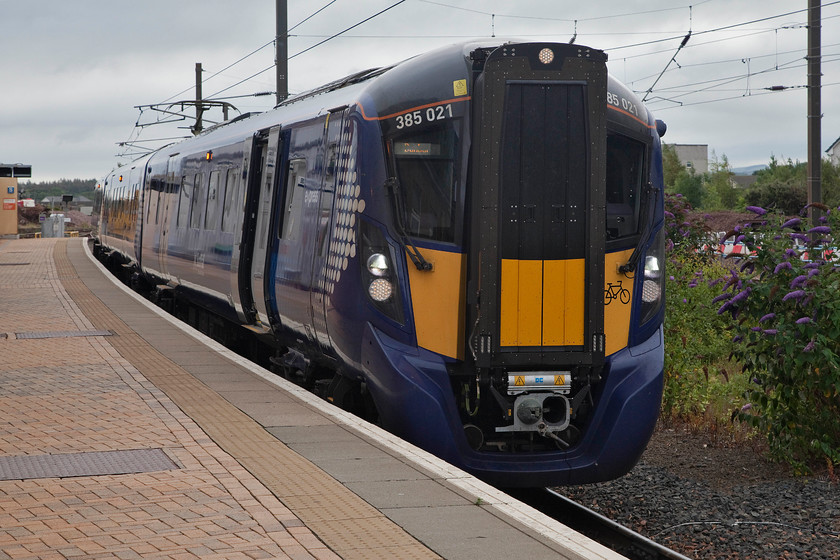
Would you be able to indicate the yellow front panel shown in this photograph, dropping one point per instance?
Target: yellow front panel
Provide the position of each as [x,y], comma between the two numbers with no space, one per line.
[563,302]
[438,301]
[618,302]
[521,305]
[530,303]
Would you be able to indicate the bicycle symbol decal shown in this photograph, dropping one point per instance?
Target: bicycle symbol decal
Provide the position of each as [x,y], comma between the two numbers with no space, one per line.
[614,291]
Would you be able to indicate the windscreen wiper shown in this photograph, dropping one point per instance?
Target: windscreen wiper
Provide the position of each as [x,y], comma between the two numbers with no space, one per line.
[393,188]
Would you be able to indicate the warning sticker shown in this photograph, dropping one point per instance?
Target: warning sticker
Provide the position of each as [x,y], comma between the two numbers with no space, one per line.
[519,381]
[459,87]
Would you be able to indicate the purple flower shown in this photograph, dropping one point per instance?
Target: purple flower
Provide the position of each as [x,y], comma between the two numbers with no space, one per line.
[693,284]
[757,210]
[812,265]
[685,300]
[770,332]
[813,272]
[741,296]
[746,407]
[755,329]
[738,338]
[669,215]
[715,282]
[796,294]
[767,317]
[803,320]
[722,297]
[820,229]
[800,236]
[782,266]
[791,253]
[791,223]
[798,281]
[724,308]
[809,347]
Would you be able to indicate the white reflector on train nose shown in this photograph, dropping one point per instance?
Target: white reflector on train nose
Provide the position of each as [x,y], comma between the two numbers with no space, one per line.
[546,56]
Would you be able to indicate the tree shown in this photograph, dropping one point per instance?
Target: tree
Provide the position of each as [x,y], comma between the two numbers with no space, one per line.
[721,192]
[672,167]
[690,185]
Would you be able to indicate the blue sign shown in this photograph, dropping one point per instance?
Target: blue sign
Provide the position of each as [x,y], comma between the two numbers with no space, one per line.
[10,190]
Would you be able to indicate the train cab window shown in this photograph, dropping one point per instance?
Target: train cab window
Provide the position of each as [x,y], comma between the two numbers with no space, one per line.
[625,174]
[197,201]
[184,201]
[426,169]
[230,206]
[293,207]
[212,201]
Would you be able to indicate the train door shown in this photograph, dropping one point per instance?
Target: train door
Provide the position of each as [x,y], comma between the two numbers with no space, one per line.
[540,205]
[170,191]
[262,185]
[319,296]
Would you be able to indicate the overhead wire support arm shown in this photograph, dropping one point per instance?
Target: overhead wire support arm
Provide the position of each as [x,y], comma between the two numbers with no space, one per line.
[673,59]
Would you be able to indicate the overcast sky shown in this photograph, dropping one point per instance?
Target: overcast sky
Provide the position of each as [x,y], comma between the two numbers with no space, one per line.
[72,72]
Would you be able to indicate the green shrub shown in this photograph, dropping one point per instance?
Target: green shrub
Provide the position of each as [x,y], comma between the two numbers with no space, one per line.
[785,312]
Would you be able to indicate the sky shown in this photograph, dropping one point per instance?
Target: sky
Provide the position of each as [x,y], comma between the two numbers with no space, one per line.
[74,72]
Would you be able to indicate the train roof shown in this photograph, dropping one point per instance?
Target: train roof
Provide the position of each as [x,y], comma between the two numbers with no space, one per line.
[392,88]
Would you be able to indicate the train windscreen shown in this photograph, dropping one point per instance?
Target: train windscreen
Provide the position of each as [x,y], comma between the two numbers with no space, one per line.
[625,172]
[426,168]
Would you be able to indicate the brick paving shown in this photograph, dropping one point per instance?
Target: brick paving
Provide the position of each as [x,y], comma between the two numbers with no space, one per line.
[77,395]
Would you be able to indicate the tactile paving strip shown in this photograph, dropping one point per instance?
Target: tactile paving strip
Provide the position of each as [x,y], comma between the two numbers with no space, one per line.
[61,334]
[96,463]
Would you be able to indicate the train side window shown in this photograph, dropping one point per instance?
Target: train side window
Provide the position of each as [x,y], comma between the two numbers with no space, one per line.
[293,207]
[184,201]
[625,174]
[212,201]
[230,207]
[197,201]
[426,168]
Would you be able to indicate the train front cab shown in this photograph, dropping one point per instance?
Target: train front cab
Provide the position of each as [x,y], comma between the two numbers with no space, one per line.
[539,358]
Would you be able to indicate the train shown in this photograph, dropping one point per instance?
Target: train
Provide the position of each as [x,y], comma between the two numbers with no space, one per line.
[465,247]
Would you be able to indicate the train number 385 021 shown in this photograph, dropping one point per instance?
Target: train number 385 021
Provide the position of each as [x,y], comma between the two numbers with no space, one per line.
[420,116]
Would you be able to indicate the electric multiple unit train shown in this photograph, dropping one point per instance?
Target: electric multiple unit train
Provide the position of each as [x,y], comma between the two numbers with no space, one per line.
[466,246]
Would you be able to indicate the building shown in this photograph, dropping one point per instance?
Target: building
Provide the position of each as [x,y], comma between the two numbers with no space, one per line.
[833,152]
[693,156]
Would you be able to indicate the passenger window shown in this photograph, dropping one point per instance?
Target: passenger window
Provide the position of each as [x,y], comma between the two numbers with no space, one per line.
[295,189]
[625,173]
[212,201]
[230,207]
[197,201]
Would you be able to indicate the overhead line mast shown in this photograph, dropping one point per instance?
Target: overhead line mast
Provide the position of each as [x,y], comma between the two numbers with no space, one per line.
[814,104]
[281,60]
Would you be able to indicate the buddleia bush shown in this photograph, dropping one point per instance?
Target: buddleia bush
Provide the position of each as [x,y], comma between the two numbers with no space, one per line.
[784,304]
[696,341]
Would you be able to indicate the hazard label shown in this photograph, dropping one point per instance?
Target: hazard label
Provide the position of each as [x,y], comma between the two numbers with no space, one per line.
[559,379]
[519,381]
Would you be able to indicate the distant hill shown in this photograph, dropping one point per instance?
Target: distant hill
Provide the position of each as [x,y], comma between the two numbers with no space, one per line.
[748,170]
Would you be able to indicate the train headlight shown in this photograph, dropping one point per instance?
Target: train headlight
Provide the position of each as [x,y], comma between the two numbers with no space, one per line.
[651,290]
[380,290]
[379,272]
[546,56]
[378,265]
[653,284]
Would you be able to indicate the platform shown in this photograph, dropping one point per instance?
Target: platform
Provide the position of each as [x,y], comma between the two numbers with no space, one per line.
[126,434]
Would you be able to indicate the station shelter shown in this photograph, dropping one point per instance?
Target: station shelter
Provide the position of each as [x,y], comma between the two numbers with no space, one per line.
[9,174]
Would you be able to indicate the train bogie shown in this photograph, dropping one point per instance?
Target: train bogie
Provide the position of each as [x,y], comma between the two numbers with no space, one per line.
[466,246]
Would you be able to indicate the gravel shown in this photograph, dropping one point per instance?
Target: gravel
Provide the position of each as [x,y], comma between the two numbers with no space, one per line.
[705,499]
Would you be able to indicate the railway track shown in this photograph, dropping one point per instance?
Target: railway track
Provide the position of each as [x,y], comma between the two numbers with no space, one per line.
[594,525]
